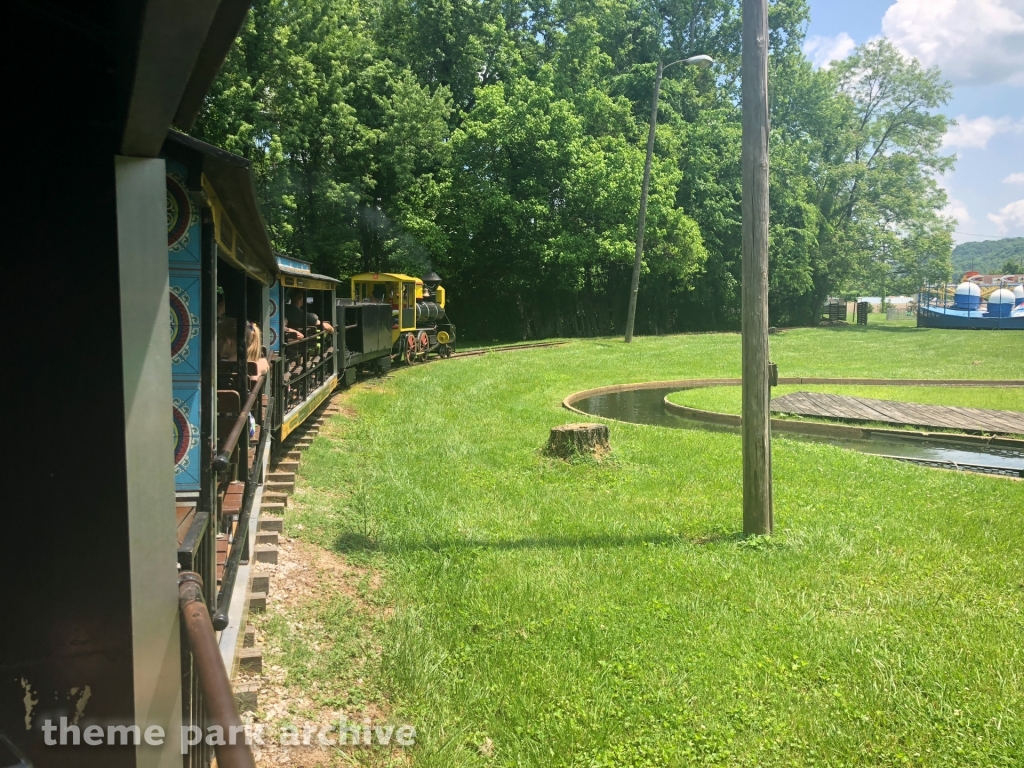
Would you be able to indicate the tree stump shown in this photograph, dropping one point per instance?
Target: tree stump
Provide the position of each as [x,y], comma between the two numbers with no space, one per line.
[571,440]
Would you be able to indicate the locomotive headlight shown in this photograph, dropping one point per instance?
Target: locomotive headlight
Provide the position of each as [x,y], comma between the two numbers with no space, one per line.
[443,337]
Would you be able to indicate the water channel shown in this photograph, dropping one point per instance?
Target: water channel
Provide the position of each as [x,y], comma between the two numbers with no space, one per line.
[647,406]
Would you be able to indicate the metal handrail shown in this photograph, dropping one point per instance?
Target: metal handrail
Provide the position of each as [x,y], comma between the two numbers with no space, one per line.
[222,460]
[213,677]
[307,338]
[240,543]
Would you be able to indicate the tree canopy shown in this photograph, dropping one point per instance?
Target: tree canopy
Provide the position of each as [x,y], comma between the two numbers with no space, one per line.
[502,145]
[990,257]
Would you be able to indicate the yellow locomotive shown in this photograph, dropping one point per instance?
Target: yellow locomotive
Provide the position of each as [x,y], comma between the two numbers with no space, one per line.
[419,325]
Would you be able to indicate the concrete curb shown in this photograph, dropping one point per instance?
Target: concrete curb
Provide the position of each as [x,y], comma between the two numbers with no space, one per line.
[838,431]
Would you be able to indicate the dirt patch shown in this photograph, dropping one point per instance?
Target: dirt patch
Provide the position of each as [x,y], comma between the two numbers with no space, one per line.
[344,410]
[315,676]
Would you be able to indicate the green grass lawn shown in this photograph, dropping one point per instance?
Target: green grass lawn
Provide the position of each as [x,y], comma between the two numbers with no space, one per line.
[554,614]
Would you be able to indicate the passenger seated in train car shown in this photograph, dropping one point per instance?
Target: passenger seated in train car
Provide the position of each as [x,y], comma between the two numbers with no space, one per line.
[296,319]
[296,316]
[254,349]
[227,330]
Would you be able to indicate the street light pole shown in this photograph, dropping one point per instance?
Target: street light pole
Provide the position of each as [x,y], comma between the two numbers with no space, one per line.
[700,61]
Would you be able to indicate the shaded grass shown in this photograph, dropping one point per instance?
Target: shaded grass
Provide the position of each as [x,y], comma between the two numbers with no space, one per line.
[611,614]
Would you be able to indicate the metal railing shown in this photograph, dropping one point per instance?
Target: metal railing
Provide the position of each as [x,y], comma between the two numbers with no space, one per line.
[239,552]
[213,677]
[941,299]
[196,554]
[308,363]
[222,460]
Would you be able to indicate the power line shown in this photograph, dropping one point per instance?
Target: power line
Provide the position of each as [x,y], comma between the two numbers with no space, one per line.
[975,234]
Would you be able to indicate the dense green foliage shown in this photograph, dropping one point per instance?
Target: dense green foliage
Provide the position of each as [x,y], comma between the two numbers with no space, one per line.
[502,144]
[991,257]
[610,614]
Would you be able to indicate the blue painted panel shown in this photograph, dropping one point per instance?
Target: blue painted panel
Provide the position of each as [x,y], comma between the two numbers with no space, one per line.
[186,332]
[186,434]
[273,340]
[184,255]
[939,317]
[296,264]
[184,244]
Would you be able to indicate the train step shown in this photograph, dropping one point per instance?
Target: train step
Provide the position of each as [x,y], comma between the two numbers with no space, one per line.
[265,553]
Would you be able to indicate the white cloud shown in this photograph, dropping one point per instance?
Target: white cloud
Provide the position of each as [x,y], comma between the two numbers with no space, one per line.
[972,41]
[1010,217]
[822,50]
[975,134]
[1014,178]
[955,207]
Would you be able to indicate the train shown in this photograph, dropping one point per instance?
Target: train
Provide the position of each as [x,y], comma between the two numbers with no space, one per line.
[389,319]
[176,354]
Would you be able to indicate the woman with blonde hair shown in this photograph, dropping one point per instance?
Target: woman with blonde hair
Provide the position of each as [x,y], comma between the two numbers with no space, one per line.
[254,348]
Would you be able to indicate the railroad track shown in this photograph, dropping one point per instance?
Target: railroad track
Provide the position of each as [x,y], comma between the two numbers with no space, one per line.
[509,348]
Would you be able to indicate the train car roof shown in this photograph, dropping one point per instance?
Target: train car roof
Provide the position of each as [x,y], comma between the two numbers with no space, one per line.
[179,53]
[231,177]
[289,265]
[386,276]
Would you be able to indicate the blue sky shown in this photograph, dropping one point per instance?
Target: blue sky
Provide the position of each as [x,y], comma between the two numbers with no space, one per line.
[979,46]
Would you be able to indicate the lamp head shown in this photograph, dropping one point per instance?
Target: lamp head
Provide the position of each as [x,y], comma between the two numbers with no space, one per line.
[703,61]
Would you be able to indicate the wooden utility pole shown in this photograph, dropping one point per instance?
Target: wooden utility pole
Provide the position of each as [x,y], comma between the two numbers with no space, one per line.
[634,286]
[757,449]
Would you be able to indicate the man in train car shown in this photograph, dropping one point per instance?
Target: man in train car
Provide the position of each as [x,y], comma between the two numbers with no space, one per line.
[296,320]
[296,317]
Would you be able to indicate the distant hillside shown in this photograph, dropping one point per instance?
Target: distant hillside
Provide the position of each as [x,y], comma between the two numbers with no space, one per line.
[988,257]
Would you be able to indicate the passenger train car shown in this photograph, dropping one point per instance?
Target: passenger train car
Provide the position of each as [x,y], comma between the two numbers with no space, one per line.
[258,342]
[174,318]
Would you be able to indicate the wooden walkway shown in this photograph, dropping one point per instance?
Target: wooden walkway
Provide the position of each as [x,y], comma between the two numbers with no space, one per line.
[845,408]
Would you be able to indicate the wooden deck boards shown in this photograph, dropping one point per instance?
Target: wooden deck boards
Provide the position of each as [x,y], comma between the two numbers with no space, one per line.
[846,408]
[184,515]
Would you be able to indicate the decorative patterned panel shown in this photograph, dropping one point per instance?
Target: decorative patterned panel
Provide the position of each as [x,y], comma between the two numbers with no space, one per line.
[273,340]
[184,256]
[186,344]
[186,437]
[183,234]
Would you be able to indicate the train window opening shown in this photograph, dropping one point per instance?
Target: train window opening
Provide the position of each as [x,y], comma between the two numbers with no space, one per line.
[309,348]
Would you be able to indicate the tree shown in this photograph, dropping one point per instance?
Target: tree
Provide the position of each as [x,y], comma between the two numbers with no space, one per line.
[881,204]
[502,144]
